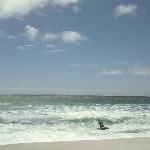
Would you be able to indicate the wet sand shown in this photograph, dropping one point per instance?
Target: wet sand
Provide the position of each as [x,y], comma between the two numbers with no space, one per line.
[117,144]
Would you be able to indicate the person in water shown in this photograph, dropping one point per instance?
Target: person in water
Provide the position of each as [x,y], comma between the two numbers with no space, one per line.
[101,125]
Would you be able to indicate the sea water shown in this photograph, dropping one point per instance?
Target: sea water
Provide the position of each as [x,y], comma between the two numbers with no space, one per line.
[44,118]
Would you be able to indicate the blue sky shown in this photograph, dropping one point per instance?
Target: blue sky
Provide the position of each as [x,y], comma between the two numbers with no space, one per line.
[75,47]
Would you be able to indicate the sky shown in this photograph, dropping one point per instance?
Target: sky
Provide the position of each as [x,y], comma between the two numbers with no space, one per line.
[97,47]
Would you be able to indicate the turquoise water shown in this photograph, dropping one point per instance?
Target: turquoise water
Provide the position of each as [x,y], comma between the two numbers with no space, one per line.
[27,119]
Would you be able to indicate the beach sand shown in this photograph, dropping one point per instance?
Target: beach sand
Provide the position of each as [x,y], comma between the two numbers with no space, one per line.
[117,144]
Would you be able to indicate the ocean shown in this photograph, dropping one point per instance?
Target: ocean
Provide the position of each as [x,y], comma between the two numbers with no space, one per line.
[48,118]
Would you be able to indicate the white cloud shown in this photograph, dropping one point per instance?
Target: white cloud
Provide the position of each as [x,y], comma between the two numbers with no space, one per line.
[31,33]
[55,51]
[76,9]
[5,35]
[84,66]
[130,71]
[11,8]
[111,72]
[49,37]
[25,47]
[141,71]
[64,3]
[68,37]
[50,46]
[72,37]
[11,37]
[16,8]
[129,9]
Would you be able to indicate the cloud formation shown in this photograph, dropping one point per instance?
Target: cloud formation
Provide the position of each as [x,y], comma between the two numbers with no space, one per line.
[55,51]
[72,37]
[4,35]
[31,33]
[76,9]
[141,71]
[68,37]
[122,10]
[16,8]
[49,37]
[111,72]
[64,3]
[84,66]
[130,71]
[26,47]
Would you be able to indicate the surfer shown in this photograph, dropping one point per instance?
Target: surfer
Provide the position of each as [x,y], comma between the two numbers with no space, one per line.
[101,125]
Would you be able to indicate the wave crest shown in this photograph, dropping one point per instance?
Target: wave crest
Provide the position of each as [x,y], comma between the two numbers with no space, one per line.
[58,120]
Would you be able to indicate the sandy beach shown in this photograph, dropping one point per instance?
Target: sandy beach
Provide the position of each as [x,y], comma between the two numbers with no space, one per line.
[118,144]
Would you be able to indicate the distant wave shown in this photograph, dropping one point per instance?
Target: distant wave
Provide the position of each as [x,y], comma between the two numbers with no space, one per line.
[3,104]
[57,120]
[138,130]
[103,119]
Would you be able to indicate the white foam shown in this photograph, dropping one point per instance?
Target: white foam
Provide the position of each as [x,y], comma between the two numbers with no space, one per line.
[53,123]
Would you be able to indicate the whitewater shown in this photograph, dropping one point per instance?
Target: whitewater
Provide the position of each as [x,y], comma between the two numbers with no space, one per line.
[49,118]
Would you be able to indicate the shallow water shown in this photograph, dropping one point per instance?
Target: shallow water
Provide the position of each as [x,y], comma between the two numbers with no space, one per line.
[26,119]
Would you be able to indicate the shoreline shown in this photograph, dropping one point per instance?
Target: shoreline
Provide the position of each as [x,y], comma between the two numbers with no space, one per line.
[140,143]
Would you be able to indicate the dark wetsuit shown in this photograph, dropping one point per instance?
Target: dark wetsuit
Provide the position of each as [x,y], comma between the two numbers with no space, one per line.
[102,127]
[100,124]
